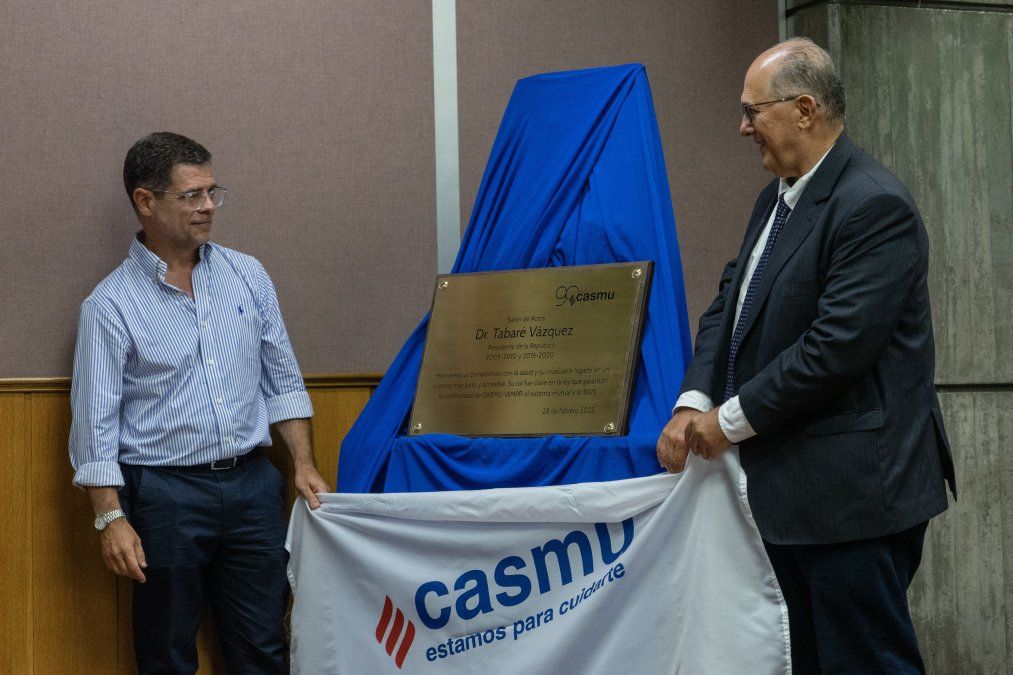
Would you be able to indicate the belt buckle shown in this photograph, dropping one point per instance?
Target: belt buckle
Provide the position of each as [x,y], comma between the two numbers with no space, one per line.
[225,464]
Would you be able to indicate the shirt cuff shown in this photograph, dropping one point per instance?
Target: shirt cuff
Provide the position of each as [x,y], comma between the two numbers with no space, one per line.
[99,474]
[694,398]
[291,406]
[733,422]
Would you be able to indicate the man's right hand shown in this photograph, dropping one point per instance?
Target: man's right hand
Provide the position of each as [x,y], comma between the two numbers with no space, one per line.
[672,448]
[122,551]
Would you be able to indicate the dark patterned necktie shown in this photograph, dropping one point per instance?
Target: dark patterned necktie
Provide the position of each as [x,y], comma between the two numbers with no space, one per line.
[733,348]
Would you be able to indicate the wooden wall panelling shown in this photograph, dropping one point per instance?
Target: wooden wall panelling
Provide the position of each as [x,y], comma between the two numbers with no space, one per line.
[209,653]
[74,608]
[63,611]
[124,634]
[337,412]
[334,411]
[16,534]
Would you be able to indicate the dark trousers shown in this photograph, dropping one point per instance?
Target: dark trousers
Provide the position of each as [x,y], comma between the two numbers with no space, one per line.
[847,603]
[218,535]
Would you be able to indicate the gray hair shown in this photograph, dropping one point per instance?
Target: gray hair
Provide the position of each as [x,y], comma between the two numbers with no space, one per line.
[808,69]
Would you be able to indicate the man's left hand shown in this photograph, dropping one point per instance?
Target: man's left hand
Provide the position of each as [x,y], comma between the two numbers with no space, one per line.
[704,436]
[309,482]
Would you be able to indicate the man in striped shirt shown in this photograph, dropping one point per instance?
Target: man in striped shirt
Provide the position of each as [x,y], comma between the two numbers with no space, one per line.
[182,363]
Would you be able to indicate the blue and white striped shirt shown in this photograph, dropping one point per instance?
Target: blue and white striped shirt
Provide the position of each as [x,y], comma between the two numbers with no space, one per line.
[164,380]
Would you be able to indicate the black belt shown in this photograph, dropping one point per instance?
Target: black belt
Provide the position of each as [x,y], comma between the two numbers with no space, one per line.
[220,465]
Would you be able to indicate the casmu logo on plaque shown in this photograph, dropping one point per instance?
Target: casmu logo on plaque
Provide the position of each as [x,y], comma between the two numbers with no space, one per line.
[532,352]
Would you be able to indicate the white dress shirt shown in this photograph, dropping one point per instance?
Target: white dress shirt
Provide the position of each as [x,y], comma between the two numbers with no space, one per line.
[732,419]
[162,379]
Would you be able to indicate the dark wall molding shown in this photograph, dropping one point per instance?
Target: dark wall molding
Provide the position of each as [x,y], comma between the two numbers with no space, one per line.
[974,388]
[922,4]
[41,385]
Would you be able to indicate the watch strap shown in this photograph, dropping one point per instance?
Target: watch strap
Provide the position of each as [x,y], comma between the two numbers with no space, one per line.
[103,520]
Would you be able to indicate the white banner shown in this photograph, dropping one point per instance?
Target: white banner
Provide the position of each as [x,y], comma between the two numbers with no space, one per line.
[665,574]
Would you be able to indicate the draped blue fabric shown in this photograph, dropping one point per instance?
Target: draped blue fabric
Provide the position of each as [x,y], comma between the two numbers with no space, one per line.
[576,177]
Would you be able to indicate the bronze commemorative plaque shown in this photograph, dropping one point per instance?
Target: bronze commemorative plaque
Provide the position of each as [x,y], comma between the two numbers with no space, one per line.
[532,352]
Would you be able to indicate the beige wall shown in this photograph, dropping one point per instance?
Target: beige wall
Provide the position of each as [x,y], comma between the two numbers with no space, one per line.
[696,54]
[320,118]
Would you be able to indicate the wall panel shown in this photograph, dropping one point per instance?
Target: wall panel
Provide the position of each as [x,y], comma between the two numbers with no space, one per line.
[320,118]
[63,611]
[73,597]
[962,599]
[934,104]
[696,55]
[929,94]
[16,533]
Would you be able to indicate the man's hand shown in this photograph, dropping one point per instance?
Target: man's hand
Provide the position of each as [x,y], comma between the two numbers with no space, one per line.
[704,436]
[296,434]
[309,482]
[122,551]
[672,441]
[121,547]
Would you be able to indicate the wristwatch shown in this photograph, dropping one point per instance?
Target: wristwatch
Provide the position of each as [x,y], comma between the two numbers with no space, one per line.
[102,520]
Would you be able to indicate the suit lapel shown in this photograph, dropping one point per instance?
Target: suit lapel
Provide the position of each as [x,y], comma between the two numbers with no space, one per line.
[800,222]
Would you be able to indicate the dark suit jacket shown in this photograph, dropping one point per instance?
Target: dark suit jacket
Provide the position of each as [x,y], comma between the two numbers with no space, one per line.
[835,369]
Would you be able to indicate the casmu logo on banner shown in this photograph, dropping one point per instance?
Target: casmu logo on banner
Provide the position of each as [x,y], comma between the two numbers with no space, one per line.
[664,574]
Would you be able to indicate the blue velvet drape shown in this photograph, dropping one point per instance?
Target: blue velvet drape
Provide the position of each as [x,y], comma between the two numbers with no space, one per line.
[576,177]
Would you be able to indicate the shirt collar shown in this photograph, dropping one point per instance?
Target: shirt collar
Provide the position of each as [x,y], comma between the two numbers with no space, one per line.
[794,192]
[150,263]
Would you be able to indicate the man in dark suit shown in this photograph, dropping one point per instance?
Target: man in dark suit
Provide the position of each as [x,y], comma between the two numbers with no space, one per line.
[816,359]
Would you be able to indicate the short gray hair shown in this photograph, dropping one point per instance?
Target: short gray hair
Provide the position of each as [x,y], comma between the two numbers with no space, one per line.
[808,69]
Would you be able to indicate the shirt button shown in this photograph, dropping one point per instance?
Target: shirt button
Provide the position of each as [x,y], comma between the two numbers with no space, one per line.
[204,324]
[227,439]
[219,401]
[211,362]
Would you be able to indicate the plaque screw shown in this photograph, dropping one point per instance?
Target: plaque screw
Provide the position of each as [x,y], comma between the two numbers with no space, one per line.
[418,427]
[609,428]
[636,273]
[444,284]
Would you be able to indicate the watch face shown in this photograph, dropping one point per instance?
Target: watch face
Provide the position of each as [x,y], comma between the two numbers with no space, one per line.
[103,519]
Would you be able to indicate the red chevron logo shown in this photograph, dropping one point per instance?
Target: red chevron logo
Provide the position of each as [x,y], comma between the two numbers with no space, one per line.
[395,632]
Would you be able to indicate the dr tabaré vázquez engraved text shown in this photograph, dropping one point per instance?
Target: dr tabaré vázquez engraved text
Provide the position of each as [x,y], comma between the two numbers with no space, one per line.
[530,346]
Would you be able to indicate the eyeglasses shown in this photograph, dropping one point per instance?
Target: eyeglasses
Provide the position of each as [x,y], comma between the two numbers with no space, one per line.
[750,109]
[195,198]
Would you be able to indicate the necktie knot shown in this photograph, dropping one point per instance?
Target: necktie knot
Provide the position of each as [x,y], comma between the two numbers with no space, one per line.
[783,210]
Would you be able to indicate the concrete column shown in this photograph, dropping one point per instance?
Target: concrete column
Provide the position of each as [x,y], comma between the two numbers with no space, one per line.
[929,95]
